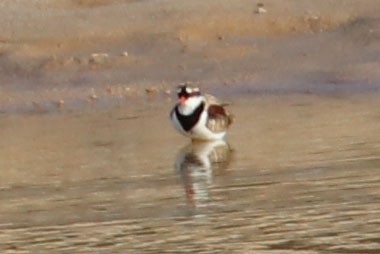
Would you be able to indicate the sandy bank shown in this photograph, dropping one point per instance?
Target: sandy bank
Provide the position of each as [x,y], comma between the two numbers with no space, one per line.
[52,52]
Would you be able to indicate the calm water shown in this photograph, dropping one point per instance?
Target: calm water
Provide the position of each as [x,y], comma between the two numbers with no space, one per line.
[298,174]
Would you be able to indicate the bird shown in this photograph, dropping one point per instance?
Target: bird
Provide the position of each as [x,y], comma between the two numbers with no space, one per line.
[199,117]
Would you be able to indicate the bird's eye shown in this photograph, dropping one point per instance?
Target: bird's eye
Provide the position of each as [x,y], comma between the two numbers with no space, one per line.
[189,90]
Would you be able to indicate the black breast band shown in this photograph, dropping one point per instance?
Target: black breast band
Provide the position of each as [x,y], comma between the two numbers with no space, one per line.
[188,121]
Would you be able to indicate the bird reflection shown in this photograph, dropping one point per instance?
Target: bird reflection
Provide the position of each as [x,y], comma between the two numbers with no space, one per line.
[196,164]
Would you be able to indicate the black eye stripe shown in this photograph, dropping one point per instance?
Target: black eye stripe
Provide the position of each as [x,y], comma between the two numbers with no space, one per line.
[186,95]
[183,93]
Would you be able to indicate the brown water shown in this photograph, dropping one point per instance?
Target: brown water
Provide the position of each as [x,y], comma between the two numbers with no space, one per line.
[299,174]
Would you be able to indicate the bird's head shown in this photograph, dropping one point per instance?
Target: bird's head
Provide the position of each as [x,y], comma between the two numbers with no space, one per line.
[189,97]
[187,91]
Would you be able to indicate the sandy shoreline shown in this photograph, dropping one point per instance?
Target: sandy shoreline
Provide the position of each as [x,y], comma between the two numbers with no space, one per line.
[70,51]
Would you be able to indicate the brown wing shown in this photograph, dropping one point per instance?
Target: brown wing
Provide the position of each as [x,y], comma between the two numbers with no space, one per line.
[219,118]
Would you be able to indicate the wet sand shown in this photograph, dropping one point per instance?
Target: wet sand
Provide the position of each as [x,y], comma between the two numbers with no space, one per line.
[70,50]
[91,164]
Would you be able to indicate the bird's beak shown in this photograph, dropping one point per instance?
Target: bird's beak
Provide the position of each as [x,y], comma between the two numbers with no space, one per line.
[182,99]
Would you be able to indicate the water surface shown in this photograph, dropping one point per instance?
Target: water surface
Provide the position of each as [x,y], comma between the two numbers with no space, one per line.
[297,174]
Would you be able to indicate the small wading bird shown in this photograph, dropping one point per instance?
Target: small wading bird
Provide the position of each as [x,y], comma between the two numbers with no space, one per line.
[200,117]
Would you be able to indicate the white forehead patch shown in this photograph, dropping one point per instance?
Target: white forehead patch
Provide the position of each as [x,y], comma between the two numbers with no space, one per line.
[189,90]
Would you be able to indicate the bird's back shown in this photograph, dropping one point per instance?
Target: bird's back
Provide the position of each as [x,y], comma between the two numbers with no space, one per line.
[219,119]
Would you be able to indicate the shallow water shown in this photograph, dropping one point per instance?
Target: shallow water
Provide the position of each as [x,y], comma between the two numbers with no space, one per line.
[298,174]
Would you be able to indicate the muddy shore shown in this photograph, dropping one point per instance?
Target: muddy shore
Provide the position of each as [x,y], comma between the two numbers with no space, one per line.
[64,52]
